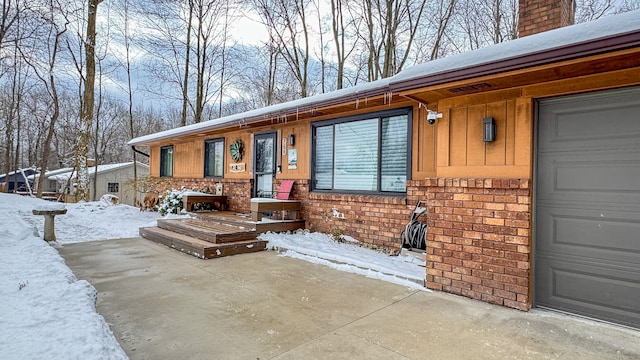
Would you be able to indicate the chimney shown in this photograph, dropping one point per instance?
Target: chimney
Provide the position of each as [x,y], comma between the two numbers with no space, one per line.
[536,16]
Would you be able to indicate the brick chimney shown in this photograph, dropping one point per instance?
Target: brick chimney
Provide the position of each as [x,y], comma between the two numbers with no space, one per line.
[536,16]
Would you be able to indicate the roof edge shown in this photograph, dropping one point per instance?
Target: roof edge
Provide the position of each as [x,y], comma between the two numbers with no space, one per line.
[547,56]
[238,119]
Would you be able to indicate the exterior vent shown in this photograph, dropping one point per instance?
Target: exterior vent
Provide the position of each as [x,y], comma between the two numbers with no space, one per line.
[470,88]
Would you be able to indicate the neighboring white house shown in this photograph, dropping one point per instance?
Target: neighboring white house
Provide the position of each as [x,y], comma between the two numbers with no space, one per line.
[114,179]
[49,186]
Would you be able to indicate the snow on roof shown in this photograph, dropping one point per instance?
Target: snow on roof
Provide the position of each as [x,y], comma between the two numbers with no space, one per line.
[607,27]
[51,173]
[26,170]
[361,91]
[92,170]
[560,38]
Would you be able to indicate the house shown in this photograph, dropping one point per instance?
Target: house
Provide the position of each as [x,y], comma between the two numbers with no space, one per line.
[527,154]
[114,179]
[16,180]
[50,186]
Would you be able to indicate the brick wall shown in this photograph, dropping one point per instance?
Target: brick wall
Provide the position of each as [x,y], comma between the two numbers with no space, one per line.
[478,242]
[478,238]
[376,221]
[238,191]
[537,16]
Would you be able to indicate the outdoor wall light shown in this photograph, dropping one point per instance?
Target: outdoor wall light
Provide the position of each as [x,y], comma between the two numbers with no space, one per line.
[488,129]
[292,140]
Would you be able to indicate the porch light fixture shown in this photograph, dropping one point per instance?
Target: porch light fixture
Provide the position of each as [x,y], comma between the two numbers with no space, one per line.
[488,129]
[292,140]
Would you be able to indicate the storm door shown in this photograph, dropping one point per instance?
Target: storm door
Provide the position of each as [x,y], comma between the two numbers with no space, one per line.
[265,164]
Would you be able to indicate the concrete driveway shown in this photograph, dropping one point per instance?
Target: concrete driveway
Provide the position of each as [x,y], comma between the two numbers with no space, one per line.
[163,304]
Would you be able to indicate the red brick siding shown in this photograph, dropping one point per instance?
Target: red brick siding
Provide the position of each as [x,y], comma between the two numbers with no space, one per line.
[537,16]
[478,242]
[238,191]
[478,238]
[376,221]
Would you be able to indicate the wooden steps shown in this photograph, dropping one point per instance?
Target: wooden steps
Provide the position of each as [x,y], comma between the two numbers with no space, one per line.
[216,234]
[244,220]
[204,239]
[210,231]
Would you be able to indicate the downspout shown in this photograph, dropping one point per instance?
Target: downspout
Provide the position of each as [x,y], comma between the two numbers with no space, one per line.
[133,147]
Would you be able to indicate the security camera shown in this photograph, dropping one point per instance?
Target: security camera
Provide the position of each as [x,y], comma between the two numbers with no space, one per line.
[432,116]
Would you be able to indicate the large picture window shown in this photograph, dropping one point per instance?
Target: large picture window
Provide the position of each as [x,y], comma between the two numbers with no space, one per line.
[166,161]
[362,154]
[214,158]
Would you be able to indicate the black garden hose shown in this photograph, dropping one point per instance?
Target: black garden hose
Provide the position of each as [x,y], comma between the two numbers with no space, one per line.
[414,235]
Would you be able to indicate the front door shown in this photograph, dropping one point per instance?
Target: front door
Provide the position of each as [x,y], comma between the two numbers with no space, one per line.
[265,164]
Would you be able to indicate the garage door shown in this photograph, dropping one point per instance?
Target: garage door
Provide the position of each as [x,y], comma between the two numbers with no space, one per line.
[587,224]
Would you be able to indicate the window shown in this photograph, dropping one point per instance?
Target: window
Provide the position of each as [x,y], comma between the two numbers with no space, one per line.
[368,153]
[113,187]
[214,158]
[166,161]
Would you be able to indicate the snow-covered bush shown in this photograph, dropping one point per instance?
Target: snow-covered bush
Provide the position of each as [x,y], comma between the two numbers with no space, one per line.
[171,202]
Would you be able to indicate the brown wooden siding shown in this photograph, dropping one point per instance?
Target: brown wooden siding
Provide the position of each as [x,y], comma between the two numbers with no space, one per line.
[453,148]
[461,149]
[188,159]
[302,133]
[154,161]
[247,139]
[423,160]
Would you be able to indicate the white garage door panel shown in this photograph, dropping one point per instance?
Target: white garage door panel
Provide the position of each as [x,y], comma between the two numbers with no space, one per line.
[587,221]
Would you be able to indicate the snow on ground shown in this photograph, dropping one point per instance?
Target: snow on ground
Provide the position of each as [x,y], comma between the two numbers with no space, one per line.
[347,256]
[90,221]
[47,313]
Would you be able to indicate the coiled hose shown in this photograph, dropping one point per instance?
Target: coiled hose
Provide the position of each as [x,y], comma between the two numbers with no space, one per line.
[414,234]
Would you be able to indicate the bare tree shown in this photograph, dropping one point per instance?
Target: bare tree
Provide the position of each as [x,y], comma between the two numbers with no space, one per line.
[187,62]
[53,34]
[126,37]
[195,64]
[389,33]
[287,21]
[86,116]
[588,10]
[168,59]
[342,40]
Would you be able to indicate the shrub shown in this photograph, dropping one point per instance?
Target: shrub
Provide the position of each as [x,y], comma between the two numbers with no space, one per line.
[171,202]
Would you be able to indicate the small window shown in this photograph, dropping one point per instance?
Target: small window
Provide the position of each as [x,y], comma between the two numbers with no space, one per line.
[166,161]
[113,187]
[214,158]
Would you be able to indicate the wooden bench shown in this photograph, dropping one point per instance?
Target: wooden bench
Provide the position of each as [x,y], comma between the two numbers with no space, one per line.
[49,215]
[260,205]
[191,197]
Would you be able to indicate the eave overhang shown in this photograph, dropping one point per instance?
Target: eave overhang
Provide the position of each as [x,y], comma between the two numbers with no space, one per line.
[603,45]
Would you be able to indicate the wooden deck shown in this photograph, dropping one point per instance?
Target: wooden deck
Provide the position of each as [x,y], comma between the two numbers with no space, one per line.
[216,234]
[244,220]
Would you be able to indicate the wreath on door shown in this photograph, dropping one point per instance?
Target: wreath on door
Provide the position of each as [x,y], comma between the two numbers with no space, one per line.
[235,149]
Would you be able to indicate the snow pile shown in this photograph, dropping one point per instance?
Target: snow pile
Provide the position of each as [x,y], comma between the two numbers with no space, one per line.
[86,221]
[322,249]
[46,312]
